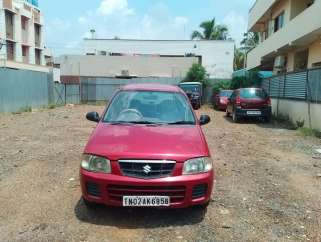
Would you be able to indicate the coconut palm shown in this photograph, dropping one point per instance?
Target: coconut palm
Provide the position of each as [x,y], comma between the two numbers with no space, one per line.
[211,31]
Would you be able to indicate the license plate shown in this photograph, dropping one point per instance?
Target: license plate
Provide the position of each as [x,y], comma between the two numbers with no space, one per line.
[146,201]
[254,113]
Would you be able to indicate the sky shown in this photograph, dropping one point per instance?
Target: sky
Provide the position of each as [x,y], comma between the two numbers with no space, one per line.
[67,22]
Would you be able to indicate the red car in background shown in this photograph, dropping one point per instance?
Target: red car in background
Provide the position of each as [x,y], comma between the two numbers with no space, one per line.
[221,99]
[148,150]
[249,102]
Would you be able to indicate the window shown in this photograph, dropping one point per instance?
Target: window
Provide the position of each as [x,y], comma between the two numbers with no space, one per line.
[24,23]
[253,93]
[279,22]
[149,107]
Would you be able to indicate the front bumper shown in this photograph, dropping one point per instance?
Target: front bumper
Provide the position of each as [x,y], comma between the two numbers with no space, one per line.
[184,191]
[265,112]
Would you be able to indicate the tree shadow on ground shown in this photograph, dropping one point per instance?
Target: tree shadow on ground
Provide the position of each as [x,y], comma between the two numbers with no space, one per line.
[133,218]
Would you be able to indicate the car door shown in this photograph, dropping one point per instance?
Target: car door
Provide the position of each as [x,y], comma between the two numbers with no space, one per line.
[231,102]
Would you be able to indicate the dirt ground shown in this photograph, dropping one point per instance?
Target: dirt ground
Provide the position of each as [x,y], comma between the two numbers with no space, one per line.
[267,186]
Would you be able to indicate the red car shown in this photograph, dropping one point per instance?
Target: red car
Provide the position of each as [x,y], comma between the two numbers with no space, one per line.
[249,102]
[221,99]
[148,150]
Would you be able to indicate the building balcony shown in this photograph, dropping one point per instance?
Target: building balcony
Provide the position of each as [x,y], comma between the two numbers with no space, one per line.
[299,32]
[7,4]
[259,9]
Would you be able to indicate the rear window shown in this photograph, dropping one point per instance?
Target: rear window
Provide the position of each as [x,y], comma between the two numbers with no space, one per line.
[253,93]
[226,93]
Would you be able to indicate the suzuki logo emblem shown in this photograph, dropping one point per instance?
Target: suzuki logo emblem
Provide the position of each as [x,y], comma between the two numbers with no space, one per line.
[147,169]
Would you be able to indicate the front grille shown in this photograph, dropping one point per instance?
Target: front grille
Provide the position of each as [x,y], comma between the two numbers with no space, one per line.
[146,169]
[176,193]
[93,189]
[199,191]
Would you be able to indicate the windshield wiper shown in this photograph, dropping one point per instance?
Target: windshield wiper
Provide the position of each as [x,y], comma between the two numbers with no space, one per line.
[182,122]
[135,122]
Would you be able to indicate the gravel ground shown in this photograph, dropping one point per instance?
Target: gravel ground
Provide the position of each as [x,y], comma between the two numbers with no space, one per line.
[267,188]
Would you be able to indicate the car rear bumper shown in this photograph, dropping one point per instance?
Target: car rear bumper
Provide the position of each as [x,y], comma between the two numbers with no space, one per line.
[184,191]
[263,112]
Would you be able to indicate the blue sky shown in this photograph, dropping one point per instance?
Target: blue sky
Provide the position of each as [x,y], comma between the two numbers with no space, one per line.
[68,22]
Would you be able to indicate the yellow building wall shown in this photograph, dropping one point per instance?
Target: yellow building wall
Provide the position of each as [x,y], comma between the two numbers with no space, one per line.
[290,61]
[314,53]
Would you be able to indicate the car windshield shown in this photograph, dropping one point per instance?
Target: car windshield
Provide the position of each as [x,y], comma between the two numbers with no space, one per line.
[149,107]
[226,93]
[253,93]
[190,88]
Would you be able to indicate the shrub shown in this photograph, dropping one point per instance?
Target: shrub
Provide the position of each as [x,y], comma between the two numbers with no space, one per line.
[197,73]
[222,85]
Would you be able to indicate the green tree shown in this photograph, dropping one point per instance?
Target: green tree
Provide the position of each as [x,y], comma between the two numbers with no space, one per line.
[239,59]
[222,85]
[211,31]
[250,41]
[197,73]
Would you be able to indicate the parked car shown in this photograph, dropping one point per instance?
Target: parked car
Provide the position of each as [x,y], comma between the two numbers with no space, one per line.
[249,102]
[148,150]
[221,99]
[194,91]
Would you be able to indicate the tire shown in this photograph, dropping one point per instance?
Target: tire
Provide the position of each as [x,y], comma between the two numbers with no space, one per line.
[88,204]
[267,119]
[227,113]
[235,117]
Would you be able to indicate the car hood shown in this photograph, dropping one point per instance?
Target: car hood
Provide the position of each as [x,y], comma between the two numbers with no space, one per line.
[178,142]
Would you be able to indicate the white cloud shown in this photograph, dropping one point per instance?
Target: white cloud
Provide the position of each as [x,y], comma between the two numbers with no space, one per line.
[236,24]
[82,20]
[109,7]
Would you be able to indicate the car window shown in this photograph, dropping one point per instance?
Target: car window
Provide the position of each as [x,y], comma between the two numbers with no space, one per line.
[253,93]
[149,107]
[191,88]
[226,93]
[233,96]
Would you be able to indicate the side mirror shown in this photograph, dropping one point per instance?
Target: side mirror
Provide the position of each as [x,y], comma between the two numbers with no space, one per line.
[93,116]
[205,119]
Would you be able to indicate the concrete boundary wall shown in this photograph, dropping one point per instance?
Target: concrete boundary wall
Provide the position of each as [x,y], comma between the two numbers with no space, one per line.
[298,111]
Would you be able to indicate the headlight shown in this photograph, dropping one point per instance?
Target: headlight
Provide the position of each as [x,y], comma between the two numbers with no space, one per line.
[197,165]
[95,164]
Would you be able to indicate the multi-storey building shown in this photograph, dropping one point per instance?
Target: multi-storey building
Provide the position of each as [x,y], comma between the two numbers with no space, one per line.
[21,35]
[290,35]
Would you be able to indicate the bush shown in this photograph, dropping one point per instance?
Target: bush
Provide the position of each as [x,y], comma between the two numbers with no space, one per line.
[222,85]
[197,73]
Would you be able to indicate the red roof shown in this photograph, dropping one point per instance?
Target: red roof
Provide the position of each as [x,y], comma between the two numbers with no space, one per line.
[151,87]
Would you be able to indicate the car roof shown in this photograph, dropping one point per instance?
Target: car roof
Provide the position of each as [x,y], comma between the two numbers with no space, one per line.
[151,87]
[190,83]
[247,88]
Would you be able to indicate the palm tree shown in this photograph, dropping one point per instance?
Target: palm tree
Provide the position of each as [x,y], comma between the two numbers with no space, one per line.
[211,31]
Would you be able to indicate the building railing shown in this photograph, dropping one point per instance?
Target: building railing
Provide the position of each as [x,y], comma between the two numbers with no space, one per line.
[301,85]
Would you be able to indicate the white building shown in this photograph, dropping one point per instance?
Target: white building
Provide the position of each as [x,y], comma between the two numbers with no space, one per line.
[21,35]
[289,31]
[215,55]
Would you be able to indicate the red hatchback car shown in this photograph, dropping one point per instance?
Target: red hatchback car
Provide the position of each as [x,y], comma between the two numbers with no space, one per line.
[221,99]
[148,150]
[249,102]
